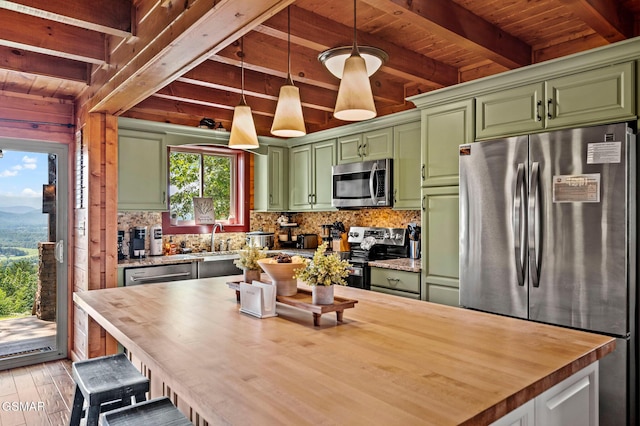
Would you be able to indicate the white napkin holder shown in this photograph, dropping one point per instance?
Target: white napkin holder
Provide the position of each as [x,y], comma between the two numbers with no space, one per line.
[258,299]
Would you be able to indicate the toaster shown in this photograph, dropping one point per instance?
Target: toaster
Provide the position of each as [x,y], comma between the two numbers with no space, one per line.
[307,241]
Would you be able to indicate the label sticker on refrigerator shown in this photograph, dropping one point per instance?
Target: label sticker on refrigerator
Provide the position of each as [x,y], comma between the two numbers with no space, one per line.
[604,152]
[465,150]
[576,188]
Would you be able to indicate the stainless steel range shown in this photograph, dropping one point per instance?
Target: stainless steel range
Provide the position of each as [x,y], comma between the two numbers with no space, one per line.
[373,243]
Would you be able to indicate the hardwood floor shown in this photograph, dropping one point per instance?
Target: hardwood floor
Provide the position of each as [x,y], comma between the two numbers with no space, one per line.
[40,394]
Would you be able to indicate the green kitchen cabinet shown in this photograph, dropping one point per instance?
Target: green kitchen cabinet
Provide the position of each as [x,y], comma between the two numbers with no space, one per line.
[310,176]
[391,281]
[271,180]
[142,171]
[406,166]
[440,247]
[591,97]
[444,128]
[373,145]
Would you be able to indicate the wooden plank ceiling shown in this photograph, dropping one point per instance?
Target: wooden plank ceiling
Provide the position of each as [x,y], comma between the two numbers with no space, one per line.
[179,61]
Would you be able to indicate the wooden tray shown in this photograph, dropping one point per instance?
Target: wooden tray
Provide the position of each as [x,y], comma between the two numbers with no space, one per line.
[302,300]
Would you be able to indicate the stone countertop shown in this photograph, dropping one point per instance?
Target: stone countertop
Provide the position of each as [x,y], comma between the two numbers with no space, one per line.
[390,361]
[410,265]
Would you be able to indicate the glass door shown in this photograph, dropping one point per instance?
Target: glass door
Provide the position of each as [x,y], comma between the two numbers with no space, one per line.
[34,191]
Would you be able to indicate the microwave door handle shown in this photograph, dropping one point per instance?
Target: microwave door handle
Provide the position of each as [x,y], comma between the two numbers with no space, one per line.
[372,183]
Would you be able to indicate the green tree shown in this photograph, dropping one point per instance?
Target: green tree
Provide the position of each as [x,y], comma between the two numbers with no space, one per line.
[199,175]
[18,286]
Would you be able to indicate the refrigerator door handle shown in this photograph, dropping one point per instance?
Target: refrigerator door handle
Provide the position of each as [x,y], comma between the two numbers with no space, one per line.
[534,217]
[519,219]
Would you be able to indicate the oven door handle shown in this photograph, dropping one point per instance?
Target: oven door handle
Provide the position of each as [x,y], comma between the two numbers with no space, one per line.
[372,183]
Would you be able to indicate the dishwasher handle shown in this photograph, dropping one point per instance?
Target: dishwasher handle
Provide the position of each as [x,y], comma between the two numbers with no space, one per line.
[157,277]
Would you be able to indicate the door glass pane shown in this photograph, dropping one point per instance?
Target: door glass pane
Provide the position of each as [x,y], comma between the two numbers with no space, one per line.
[30,304]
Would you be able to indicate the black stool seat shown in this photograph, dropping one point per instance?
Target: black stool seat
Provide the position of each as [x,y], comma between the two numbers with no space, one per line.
[106,383]
[157,412]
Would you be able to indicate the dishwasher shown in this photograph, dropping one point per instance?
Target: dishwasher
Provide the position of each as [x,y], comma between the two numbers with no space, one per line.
[160,273]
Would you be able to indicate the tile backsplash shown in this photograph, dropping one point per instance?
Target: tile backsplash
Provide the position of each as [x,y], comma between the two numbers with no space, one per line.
[308,223]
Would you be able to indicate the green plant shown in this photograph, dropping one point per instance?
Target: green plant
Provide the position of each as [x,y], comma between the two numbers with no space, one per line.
[249,256]
[324,269]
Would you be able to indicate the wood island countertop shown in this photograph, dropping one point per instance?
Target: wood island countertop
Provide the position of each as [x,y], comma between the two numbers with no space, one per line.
[392,360]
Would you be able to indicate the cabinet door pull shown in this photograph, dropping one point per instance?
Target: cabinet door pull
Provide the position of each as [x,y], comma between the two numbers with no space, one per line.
[393,281]
[364,150]
[549,103]
[395,195]
[422,172]
[538,106]
[422,203]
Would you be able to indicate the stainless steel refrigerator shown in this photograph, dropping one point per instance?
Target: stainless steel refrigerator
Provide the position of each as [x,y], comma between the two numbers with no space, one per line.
[548,234]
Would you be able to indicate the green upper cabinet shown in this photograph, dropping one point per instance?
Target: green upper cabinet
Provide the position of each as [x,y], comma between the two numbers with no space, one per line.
[444,128]
[440,245]
[511,111]
[373,145]
[142,171]
[271,180]
[406,166]
[591,97]
[598,96]
[310,175]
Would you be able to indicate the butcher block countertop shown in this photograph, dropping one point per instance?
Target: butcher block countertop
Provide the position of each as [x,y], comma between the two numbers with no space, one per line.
[392,360]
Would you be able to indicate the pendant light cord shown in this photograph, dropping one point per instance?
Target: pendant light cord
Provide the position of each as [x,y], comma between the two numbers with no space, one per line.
[289,80]
[354,50]
[242,69]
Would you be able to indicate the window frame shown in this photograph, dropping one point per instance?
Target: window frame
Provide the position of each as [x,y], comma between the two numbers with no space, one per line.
[241,188]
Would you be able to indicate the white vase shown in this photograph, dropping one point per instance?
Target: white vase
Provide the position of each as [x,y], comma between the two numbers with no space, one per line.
[322,294]
[248,275]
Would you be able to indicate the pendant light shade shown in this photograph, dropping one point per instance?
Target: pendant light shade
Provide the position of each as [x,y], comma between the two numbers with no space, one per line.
[243,129]
[288,121]
[355,99]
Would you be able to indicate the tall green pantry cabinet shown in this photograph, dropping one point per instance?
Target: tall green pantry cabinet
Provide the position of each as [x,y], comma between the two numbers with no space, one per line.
[271,180]
[444,128]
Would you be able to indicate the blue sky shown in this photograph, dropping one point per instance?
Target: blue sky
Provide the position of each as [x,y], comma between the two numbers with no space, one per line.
[22,175]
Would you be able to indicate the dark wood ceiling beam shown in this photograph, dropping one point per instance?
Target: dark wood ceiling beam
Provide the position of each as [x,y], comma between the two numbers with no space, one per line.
[51,38]
[183,92]
[607,17]
[222,76]
[452,22]
[165,48]
[318,34]
[39,64]
[106,16]
[156,105]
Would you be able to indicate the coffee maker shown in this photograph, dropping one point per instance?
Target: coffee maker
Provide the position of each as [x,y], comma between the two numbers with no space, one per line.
[121,255]
[137,242]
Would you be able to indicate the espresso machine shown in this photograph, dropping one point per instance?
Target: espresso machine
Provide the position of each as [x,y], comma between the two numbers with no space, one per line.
[137,242]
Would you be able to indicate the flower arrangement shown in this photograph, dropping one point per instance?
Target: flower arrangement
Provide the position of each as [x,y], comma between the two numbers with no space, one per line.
[249,256]
[324,269]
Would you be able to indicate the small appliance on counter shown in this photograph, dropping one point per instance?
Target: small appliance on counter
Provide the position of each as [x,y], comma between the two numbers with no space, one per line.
[137,242]
[260,239]
[307,241]
[121,255]
[339,238]
[414,240]
[155,242]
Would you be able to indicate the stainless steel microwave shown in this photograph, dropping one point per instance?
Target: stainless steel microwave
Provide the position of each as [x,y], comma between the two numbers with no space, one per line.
[362,184]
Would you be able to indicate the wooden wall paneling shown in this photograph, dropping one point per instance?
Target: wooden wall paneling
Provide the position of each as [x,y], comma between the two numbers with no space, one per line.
[36,117]
[111,201]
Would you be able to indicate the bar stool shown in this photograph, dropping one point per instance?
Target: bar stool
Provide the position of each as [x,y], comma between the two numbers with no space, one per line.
[156,412]
[106,383]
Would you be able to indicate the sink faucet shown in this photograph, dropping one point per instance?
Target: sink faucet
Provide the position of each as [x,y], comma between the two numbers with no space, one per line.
[213,234]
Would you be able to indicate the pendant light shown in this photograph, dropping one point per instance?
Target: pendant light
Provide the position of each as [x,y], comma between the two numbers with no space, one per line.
[243,130]
[288,121]
[355,98]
